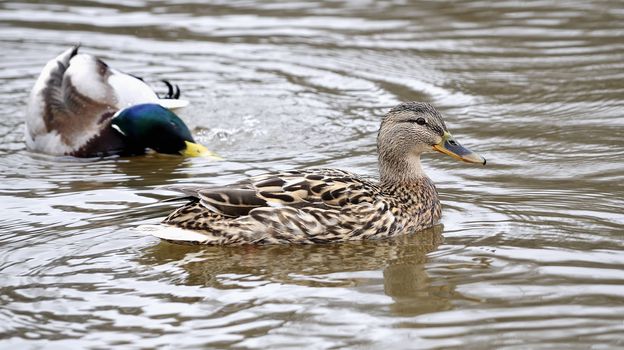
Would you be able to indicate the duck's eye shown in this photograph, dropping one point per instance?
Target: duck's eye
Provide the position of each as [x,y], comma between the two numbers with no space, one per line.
[421,121]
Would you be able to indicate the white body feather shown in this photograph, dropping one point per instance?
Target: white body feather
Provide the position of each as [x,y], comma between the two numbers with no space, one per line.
[174,234]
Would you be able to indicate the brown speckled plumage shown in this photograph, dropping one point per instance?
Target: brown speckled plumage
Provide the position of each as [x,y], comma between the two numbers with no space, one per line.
[321,205]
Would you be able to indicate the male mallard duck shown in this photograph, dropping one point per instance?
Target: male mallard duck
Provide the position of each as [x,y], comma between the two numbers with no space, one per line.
[325,205]
[81,107]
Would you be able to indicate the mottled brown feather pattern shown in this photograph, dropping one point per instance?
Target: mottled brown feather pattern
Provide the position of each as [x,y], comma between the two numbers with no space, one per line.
[310,206]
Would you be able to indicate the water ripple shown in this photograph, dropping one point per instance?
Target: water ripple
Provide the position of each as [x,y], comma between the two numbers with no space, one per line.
[530,252]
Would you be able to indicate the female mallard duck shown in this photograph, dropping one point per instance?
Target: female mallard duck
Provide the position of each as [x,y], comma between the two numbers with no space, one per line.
[325,205]
[81,107]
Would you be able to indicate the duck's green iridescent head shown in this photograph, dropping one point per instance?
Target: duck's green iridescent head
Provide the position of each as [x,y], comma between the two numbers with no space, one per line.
[153,126]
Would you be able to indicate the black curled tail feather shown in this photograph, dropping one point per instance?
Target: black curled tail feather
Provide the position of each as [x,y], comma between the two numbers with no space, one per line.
[173,90]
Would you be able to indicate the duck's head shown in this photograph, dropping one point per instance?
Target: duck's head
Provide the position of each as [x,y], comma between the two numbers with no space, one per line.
[413,128]
[153,126]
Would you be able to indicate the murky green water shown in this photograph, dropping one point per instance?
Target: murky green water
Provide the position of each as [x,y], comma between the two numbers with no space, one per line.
[531,254]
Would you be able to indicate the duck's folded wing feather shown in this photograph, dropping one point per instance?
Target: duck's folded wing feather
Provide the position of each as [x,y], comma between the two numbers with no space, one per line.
[79,90]
[63,115]
[233,202]
[313,188]
[329,187]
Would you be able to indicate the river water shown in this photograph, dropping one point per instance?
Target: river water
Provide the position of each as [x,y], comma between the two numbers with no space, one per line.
[531,251]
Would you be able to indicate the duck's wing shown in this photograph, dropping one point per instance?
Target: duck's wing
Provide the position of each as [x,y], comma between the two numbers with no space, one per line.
[309,206]
[73,99]
[312,188]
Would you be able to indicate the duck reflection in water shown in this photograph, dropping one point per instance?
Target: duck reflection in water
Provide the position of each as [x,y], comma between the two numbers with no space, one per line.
[402,260]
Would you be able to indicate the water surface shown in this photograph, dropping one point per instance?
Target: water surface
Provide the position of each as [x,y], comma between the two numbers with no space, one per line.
[530,254]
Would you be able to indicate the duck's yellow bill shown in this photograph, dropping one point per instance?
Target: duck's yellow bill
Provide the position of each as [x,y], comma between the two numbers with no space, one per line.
[196,150]
[449,146]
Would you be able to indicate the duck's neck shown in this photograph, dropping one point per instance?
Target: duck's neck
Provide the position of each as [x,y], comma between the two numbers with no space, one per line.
[404,170]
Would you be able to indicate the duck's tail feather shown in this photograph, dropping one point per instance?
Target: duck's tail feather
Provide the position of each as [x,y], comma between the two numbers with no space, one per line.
[173,91]
[175,234]
[178,199]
